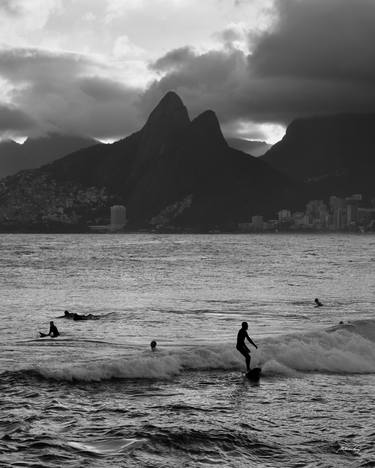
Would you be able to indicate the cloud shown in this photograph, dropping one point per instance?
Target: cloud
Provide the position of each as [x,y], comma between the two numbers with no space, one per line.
[123,47]
[27,14]
[320,39]
[302,57]
[173,60]
[14,119]
[67,93]
[317,58]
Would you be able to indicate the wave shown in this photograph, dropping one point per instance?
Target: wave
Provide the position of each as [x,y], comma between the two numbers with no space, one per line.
[345,348]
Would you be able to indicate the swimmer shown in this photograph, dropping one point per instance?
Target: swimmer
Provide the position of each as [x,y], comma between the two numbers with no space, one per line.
[317,303]
[153,345]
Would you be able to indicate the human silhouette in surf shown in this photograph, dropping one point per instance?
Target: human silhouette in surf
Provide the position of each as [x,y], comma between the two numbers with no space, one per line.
[53,331]
[76,317]
[317,303]
[153,345]
[241,346]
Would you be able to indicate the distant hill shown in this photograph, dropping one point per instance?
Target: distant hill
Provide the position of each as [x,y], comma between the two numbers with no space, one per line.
[333,155]
[253,147]
[35,152]
[171,172]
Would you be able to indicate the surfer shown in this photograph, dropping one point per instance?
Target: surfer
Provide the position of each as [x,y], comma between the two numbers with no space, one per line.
[75,316]
[53,331]
[85,317]
[317,303]
[241,346]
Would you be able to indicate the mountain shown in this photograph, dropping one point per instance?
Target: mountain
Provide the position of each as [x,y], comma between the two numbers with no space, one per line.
[332,154]
[172,171]
[253,147]
[35,152]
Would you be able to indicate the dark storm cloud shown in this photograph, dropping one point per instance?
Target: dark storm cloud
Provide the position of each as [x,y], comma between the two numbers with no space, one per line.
[317,58]
[14,119]
[63,92]
[320,39]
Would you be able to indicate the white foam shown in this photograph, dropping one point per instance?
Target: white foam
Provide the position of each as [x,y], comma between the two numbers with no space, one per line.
[343,349]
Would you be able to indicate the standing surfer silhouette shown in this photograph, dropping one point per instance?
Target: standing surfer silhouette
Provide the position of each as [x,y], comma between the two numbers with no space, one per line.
[241,346]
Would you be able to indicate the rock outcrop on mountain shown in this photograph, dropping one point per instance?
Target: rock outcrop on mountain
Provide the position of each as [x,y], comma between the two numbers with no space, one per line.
[177,167]
[35,152]
[333,155]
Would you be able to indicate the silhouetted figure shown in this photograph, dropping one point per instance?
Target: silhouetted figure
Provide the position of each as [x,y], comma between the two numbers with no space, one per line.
[85,317]
[53,331]
[153,345]
[67,315]
[317,303]
[241,346]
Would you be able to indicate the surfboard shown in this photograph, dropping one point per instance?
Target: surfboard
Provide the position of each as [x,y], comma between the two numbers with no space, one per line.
[254,374]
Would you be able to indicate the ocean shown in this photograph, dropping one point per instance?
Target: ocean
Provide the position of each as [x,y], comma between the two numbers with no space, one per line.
[97,396]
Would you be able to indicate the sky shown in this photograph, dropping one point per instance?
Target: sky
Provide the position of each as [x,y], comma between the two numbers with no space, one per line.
[98,67]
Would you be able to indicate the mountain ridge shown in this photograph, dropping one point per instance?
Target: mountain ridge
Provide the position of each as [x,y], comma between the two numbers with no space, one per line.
[35,152]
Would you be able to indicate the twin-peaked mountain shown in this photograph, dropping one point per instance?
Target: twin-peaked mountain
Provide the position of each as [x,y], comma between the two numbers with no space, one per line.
[181,167]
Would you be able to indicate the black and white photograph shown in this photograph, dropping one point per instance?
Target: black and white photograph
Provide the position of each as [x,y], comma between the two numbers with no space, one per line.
[187,233]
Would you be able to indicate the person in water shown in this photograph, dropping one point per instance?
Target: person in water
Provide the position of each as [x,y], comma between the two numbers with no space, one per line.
[53,331]
[241,346]
[85,317]
[317,302]
[75,316]
[153,345]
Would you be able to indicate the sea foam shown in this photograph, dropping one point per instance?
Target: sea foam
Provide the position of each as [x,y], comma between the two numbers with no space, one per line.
[346,348]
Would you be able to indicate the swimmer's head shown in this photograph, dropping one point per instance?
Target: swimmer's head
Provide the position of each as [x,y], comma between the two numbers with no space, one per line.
[153,345]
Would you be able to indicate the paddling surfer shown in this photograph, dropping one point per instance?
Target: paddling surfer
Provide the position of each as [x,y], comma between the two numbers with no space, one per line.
[241,346]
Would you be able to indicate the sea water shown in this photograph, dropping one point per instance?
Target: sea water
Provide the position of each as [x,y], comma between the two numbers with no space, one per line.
[97,396]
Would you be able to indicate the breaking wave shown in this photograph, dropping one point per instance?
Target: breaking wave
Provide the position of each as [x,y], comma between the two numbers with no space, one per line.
[345,348]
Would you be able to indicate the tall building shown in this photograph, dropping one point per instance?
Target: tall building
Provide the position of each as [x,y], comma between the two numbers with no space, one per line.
[339,218]
[351,214]
[118,217]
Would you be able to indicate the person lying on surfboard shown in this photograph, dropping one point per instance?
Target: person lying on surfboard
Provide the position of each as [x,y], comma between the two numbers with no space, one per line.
[241,347]
[53,331]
